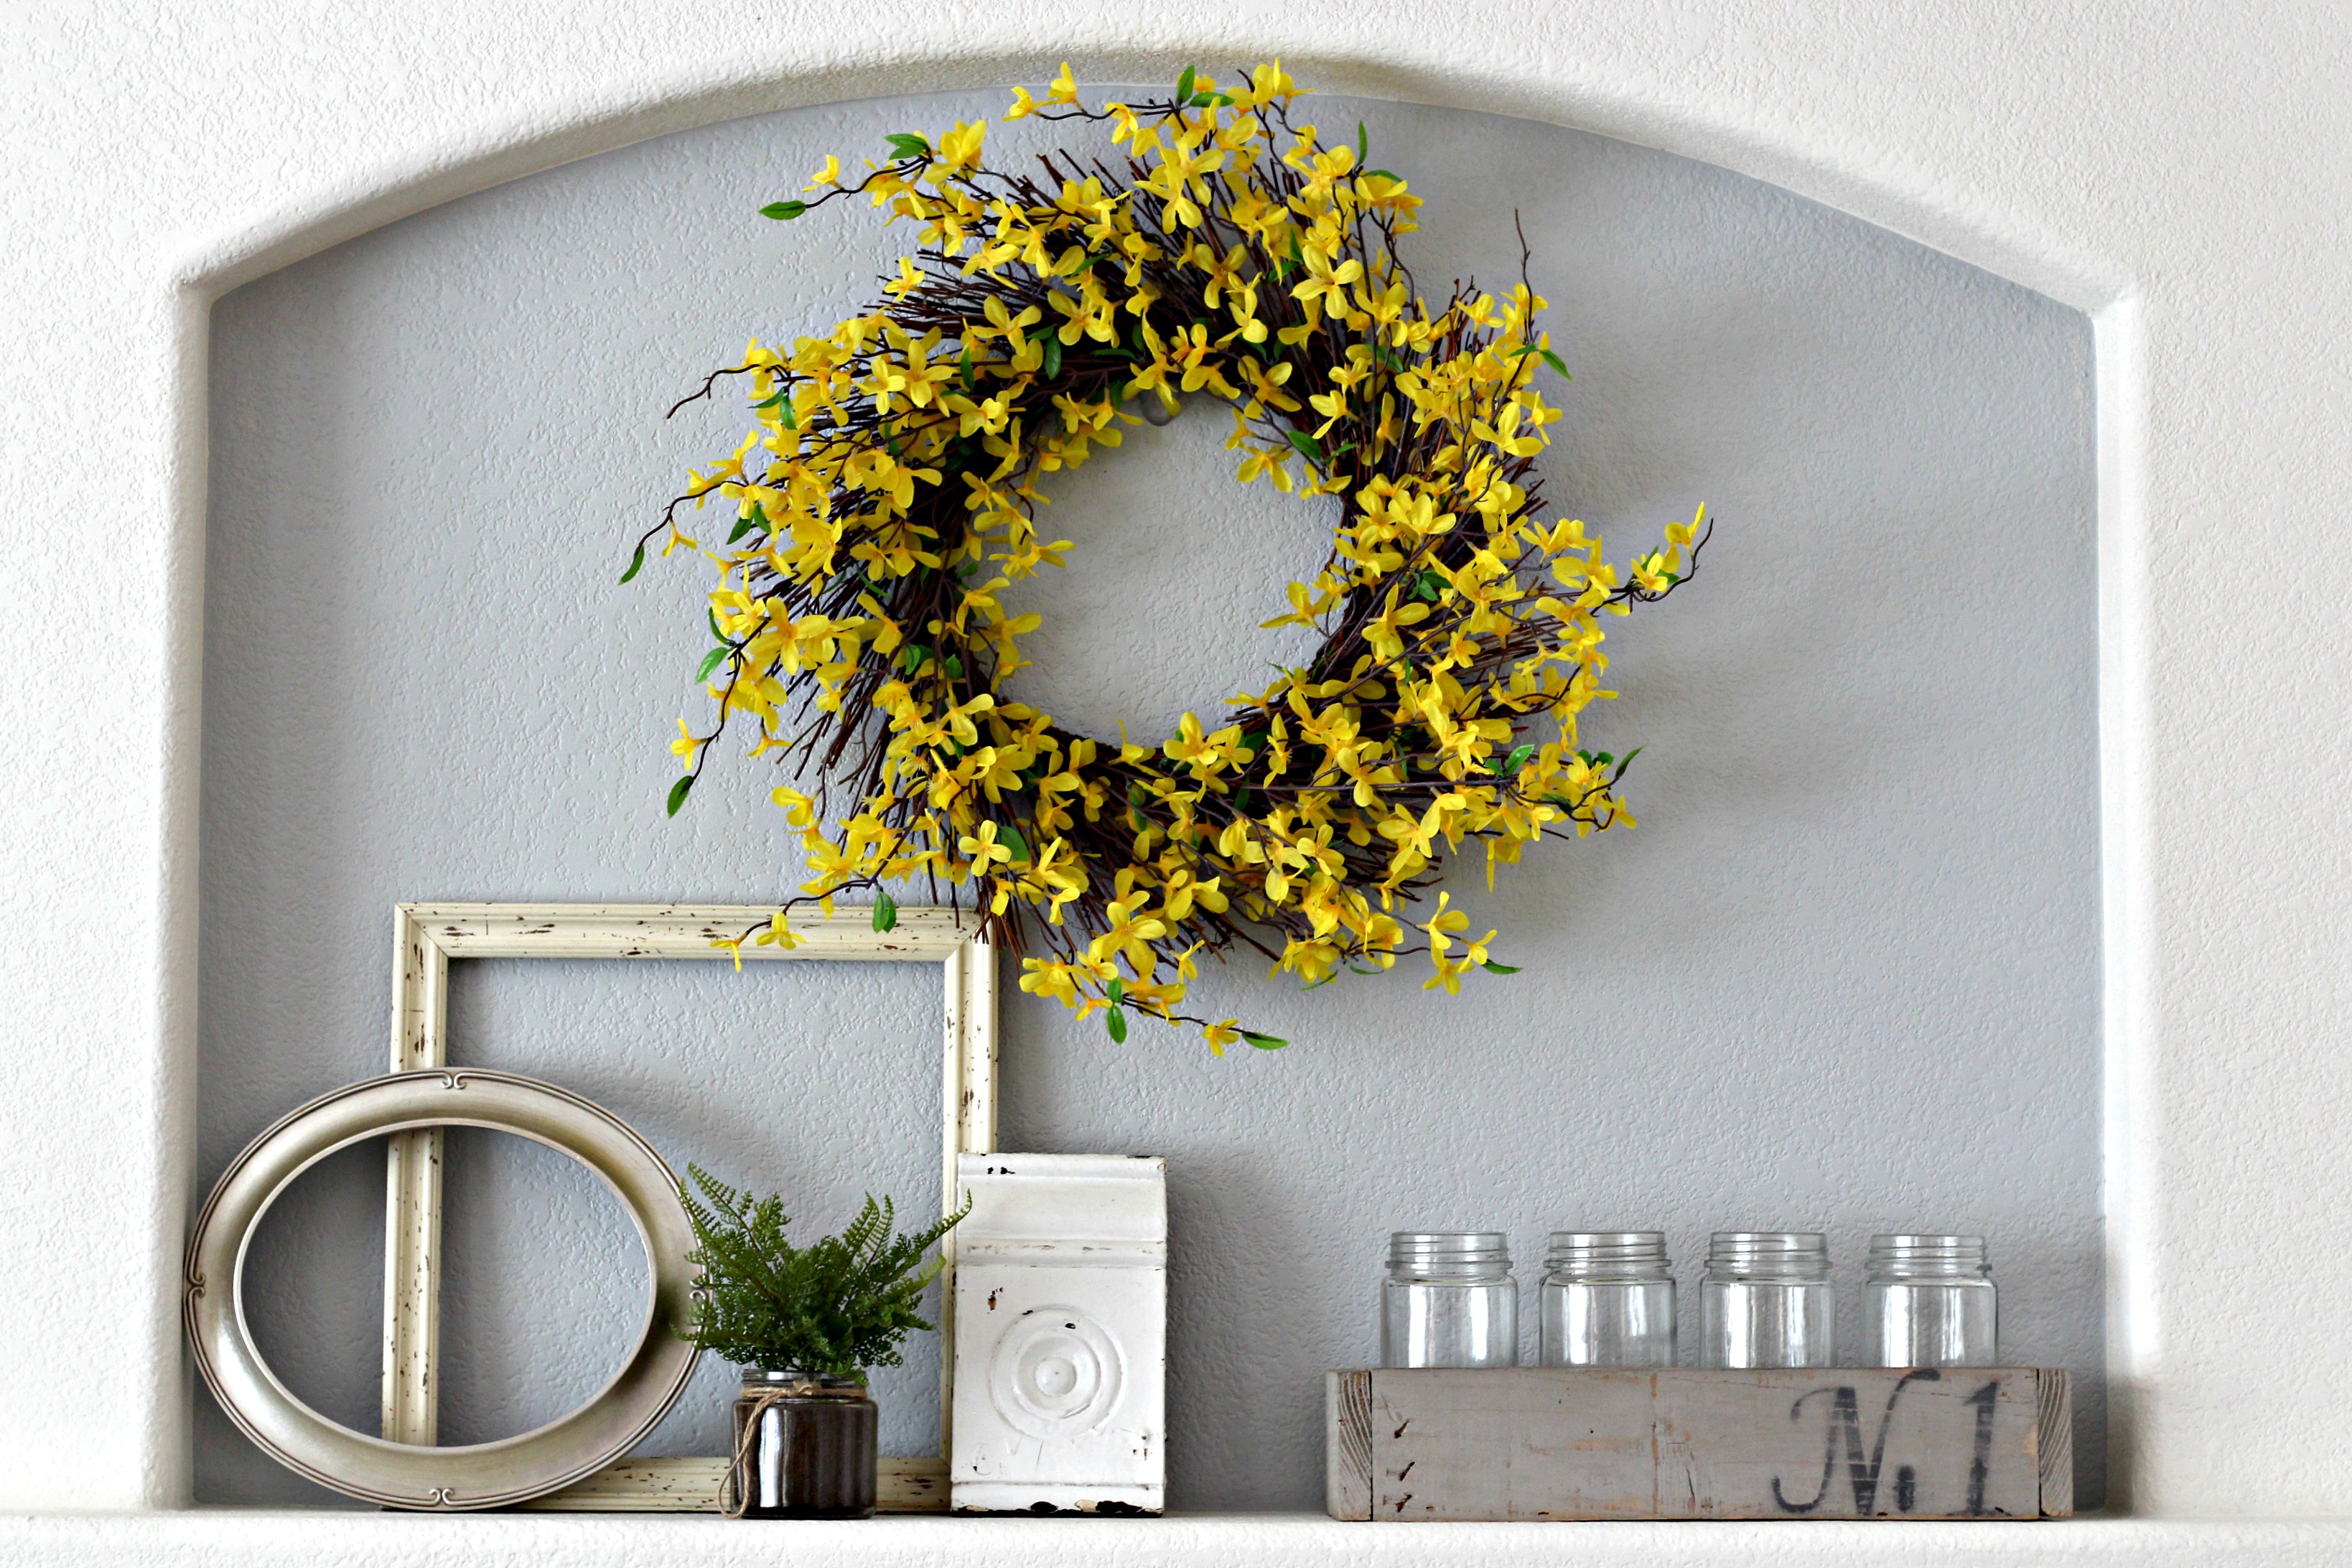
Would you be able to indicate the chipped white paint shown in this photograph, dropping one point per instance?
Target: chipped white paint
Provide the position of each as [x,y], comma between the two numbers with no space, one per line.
[1061,1333]
[694,1485]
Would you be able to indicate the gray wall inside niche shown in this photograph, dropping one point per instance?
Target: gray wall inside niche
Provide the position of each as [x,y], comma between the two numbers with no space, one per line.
[1844,975]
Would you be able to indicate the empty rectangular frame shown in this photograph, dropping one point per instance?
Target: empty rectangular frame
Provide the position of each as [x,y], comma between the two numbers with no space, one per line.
[429,935]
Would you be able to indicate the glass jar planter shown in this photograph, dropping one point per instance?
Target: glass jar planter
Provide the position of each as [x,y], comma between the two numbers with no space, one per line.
[805,1447]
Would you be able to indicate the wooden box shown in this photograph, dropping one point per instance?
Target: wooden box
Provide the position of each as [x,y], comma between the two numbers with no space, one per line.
[1530,1443]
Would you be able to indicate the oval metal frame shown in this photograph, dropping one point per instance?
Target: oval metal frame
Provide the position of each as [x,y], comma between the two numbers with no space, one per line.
[479,1474]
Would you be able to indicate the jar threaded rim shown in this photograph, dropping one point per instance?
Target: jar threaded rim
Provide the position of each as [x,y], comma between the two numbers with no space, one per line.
[1907,1256]
[1457,1255]
[1603,1255]
[1801,1255]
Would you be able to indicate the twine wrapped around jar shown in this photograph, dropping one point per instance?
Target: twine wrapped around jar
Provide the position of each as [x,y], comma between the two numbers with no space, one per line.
[848,1487]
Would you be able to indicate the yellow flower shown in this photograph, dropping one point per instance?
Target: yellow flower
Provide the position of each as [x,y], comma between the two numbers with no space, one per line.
[1325,283]
[982,849]
[1441,925]
[959,148]
[828,175]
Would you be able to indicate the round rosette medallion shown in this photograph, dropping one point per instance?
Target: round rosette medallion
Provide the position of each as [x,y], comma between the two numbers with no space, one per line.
[1056,1374]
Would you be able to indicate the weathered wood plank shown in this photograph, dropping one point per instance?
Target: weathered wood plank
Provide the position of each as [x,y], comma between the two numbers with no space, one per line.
[1683,1443]
[1348,1456]
[693,1484]
[681,932]
[411,1267]
[2054,1446]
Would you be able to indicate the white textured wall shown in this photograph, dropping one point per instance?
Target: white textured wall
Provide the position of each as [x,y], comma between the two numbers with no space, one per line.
[1844,976]
[2181,169]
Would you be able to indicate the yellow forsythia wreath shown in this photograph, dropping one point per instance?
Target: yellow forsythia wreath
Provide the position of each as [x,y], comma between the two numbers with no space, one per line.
[886,496]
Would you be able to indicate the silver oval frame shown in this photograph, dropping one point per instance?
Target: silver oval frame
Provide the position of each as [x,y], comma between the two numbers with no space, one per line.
[474,1476]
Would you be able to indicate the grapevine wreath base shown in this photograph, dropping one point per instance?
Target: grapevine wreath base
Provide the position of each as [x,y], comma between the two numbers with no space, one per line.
[886,498]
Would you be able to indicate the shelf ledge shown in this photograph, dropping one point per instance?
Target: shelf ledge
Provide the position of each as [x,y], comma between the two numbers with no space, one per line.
[334,1539]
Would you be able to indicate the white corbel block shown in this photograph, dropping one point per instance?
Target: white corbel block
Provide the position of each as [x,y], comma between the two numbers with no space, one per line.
[1061,1334]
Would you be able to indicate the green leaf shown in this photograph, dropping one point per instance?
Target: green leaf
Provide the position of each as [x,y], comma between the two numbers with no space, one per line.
[1628,761]
[1385,175]
[885,911]
[774,398]
[783,211]
[1550,358]
[1363,144]
[712,617]
[1308,447]
[1117,991]
[1517,760]
[842,1304]
[1009,837]
[907,145]
[710,662]
[954,667]
[1429,582]
[1264,1042]
[636,563]
[792,419]
[677,793]
[913,656]
[1116,1022]
[1184,86]
[1491,967]
[963,364]
[1053,356]
[743,525]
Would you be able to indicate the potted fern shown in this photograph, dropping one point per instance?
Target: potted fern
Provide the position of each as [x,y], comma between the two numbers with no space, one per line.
[804,1323]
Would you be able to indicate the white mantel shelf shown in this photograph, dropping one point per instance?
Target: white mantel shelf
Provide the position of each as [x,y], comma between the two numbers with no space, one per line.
[257,1539]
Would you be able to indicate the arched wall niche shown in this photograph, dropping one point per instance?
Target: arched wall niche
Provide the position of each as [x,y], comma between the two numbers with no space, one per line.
[480,147]
[270,247]
[2163,171]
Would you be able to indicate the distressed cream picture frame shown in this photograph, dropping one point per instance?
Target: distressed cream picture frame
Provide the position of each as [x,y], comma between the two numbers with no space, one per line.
[428,935]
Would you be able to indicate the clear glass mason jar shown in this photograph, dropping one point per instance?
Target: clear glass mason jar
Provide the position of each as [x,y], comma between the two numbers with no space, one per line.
[1930,1301]
[1608,1299]
[1449,1301]
[1765,1299]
